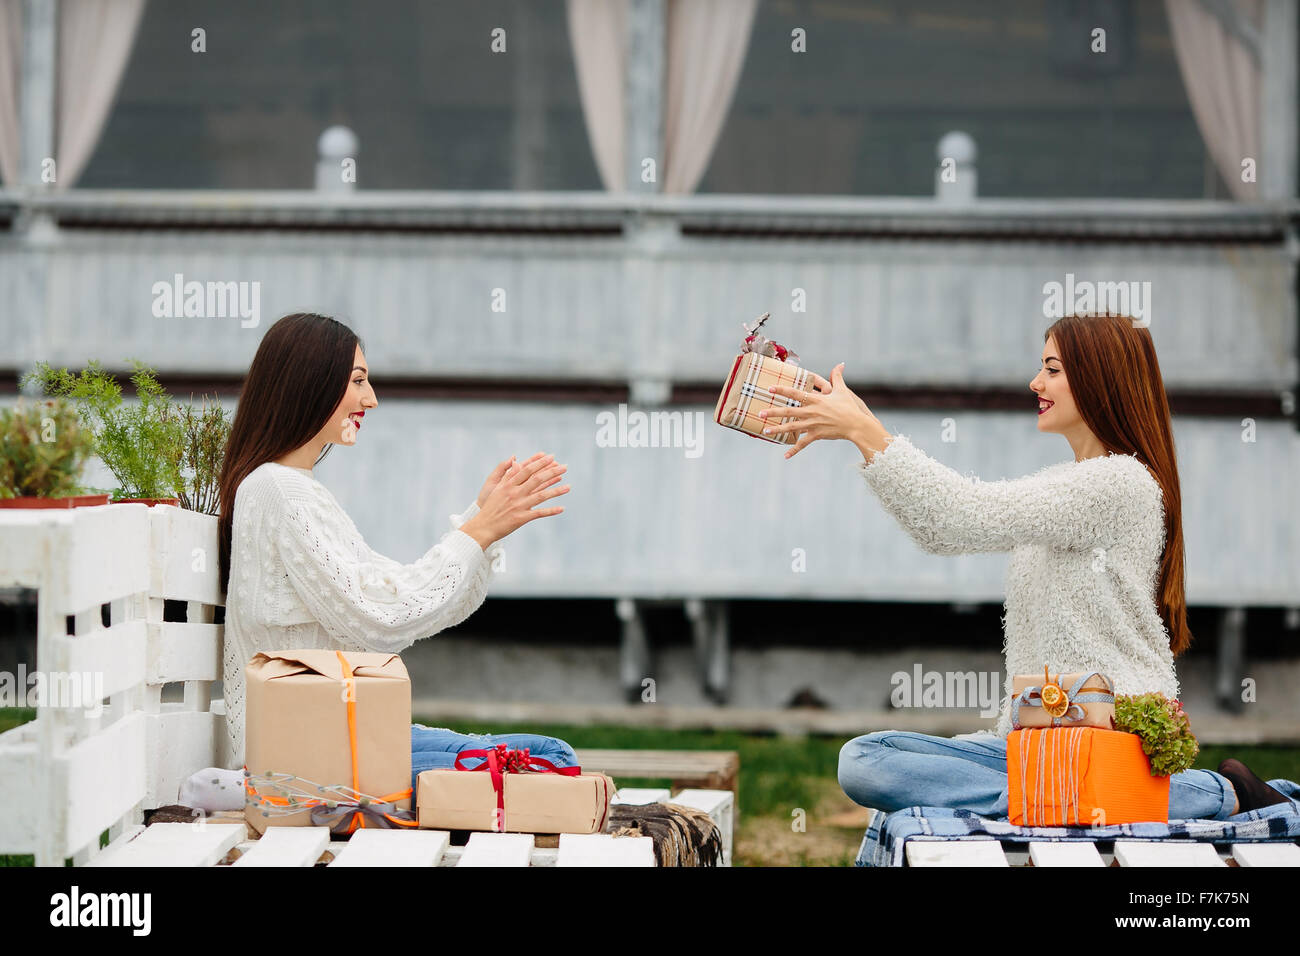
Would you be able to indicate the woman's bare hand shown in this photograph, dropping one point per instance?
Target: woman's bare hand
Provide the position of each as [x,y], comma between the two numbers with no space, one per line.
[513,500]
[830,411]
[497,474]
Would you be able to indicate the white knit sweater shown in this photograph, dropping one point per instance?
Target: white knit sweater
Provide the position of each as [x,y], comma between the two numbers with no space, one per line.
[1085,538]
[301,576]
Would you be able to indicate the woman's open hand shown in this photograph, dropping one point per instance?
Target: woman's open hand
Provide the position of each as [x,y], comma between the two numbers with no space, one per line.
[832,410]
[511,502]
[497,474]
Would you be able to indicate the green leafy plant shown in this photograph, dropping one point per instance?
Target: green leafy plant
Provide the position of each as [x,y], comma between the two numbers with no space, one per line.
[155,448]
[1164,728]
[204,433]
[43,450]
[135,442]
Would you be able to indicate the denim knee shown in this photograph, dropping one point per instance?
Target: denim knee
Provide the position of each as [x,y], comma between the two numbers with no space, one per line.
[561,751]
[860,781]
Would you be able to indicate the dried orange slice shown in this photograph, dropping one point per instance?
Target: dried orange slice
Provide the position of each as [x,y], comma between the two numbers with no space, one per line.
[1055,700]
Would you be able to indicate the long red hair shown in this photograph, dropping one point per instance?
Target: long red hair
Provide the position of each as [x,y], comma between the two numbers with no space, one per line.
[1115,379]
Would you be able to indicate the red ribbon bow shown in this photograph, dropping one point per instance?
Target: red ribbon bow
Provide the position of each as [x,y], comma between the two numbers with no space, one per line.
[501,760]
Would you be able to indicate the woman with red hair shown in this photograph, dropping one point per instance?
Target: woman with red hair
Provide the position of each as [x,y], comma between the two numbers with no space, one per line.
[1095,579]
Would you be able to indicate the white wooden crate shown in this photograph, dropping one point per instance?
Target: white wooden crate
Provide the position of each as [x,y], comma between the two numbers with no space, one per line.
[90,772]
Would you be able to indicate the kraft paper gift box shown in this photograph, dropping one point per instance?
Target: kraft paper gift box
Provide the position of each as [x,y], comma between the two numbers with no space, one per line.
[1081,776]
[566,801]
[309,725]
[762,363]
[1084,699]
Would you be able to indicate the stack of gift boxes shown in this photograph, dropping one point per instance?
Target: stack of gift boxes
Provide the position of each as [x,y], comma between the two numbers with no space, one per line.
[1068,766]
[328,743]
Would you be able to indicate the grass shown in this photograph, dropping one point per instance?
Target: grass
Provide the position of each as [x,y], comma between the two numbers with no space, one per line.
[791,811]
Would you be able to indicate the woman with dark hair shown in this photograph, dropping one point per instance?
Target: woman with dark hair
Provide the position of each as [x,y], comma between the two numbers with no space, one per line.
[1095,580]
[298,574]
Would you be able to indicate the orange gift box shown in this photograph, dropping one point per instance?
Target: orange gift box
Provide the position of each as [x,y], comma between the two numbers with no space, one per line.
[1081,776]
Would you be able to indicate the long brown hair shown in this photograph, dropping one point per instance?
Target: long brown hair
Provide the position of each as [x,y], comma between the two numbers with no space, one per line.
[298,377]
[1115,379]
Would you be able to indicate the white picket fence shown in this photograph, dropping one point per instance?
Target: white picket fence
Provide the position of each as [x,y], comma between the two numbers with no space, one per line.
[97,762]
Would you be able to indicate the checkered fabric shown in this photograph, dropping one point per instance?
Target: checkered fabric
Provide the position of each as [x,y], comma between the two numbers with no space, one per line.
[746,394]
[888,834]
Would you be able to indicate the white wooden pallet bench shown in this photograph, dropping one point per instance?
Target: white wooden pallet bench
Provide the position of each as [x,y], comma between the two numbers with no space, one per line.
[1120,852]
[225,840]
[77,771]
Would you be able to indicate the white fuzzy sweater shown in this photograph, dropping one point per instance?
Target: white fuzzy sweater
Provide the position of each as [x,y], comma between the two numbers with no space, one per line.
[301,576]
[1085,539]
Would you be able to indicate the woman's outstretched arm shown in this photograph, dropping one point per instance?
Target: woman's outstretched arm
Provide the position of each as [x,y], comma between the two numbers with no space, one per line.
[1072,505]
[360,596]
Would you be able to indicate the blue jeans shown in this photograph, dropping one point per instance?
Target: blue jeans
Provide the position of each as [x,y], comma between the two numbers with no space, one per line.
[893,769]
[435,748]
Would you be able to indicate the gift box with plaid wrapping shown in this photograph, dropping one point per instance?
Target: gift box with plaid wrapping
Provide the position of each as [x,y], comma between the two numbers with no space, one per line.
[761,364]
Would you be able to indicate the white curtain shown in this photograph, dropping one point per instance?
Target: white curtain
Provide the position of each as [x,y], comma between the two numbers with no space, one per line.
[95,39]
[1223,85]
[597,35]
[706,50]
[11,45]
[94,45]
[706,46]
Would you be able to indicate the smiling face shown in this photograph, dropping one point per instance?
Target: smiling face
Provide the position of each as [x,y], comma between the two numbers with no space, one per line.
[1057,411]
[345,421]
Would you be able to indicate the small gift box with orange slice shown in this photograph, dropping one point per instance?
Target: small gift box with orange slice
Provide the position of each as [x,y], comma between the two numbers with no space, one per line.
[1071,700]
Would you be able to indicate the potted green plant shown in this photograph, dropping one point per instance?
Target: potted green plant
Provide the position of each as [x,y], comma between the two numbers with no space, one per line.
[160,451]
[1164,727]
[204,432]
[43,452]
[137,443]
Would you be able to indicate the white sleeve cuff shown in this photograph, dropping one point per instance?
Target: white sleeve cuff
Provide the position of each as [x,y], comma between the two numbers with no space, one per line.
[460,519]
[463,547]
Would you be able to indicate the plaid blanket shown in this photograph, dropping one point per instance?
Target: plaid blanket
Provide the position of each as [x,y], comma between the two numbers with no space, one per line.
[889,832]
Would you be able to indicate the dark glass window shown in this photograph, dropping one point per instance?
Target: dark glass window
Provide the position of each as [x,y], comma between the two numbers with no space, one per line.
[862,111]
[416,80]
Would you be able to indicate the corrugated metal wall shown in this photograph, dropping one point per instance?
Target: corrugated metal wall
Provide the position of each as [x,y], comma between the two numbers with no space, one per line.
[906,306]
